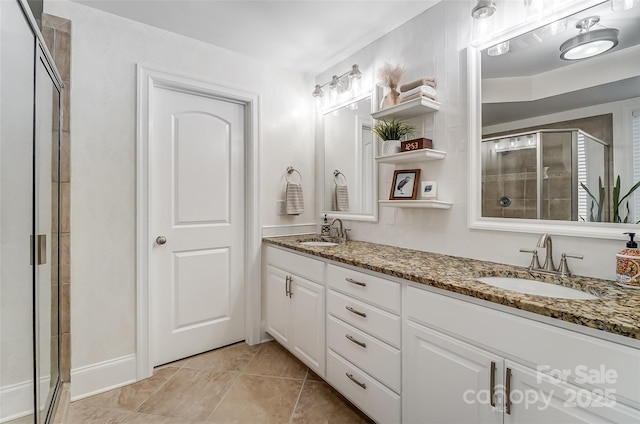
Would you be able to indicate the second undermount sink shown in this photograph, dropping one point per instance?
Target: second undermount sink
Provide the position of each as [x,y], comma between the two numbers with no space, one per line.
[539,288]
[318,243]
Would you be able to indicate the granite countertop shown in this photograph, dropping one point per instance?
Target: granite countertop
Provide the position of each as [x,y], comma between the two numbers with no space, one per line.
[616,311]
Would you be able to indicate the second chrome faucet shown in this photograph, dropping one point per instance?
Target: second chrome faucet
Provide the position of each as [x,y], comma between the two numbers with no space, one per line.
[548,266]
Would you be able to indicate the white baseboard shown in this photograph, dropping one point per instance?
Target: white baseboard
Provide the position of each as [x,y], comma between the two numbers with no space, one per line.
[289,230]
[16,401]
[103,376]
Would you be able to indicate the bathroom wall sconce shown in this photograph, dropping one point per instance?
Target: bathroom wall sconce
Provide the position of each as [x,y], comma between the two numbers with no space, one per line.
[339,85]
[498,49]
[589,43]
[483,9]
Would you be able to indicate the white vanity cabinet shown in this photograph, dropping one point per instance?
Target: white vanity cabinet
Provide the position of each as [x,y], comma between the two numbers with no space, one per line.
[467,363]
[363,341]
[295,305]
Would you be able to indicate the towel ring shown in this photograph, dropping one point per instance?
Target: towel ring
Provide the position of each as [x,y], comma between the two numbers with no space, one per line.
[290,171]
[337,174]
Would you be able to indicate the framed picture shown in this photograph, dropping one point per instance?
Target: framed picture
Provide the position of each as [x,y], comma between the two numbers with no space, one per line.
[429,190]
[405,184]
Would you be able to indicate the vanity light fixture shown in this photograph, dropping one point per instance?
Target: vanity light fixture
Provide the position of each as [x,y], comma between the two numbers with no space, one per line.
[483,9]
[498,49]
[349,81]
[589,43]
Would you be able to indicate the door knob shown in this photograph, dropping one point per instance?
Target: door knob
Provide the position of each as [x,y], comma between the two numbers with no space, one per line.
[161,240]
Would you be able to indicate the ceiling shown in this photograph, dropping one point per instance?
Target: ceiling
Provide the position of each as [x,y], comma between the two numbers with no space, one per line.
[303,35]
[538,52]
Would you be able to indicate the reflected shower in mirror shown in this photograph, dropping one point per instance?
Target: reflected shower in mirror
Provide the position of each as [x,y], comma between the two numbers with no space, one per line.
[348,159]
[556,134]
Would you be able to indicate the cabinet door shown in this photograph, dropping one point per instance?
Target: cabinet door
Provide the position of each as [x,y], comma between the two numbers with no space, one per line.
[538,398]
[308,323]
[277,304]
[448,381]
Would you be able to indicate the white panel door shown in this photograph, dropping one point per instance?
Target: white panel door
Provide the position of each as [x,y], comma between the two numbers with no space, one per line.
[197,220]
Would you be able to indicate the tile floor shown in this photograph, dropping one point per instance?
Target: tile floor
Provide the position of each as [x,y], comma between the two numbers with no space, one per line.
[235,384]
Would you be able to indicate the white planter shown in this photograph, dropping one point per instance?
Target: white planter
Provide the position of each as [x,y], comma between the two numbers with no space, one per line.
[390,147]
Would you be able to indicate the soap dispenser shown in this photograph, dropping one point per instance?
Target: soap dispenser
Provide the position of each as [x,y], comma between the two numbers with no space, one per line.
[325,229]
[628,265]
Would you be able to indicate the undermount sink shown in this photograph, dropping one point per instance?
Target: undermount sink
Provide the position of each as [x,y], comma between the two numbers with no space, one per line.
[539,288]
[318,243]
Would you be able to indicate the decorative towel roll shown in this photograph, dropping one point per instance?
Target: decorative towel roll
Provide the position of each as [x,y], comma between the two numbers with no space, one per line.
[422,81]
[294,199]
[417,95]
[342,198]
[423,89]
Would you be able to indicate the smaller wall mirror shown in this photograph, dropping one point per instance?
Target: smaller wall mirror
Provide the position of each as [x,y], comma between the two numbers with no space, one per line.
[346,148]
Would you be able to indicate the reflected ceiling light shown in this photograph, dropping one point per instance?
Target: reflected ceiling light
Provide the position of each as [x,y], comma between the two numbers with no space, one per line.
[617,5]
[483,9]
[498,49]
[589,43]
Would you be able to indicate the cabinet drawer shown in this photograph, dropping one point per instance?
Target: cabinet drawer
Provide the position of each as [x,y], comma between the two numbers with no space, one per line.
[296,264]
[382,293]
[373,398]
[370,319]
[373,356]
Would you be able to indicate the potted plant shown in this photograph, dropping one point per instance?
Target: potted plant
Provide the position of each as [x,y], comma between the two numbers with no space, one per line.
[391,131]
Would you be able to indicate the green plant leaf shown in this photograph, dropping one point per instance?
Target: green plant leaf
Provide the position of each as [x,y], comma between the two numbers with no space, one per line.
[392,129]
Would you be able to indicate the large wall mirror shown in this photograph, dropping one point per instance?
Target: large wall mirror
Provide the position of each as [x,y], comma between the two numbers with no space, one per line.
[347,150]
[552,141]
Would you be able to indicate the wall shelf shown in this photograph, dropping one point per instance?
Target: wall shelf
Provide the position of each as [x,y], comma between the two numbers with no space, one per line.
[427,204]
[413,156]
[409,109]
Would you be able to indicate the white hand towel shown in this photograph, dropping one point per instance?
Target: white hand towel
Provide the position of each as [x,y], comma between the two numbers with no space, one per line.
[294,199]
[423,89]
[342,198]
[417,96]
[422,81]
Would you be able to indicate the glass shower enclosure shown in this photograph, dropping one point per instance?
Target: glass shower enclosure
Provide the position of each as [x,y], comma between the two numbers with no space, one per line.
[545,174]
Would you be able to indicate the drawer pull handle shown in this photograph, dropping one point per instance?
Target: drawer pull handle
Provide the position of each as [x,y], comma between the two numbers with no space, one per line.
[507,405]
[492,384]
[352,378]
[287,285]
[357,283]
[359,343]
[350,309]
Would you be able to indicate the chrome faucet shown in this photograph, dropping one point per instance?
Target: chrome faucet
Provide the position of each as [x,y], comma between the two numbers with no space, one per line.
[548,267]
[341,232]
[545,242]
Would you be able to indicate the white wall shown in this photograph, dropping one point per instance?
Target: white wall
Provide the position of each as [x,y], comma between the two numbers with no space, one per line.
[105,51]
[434,44]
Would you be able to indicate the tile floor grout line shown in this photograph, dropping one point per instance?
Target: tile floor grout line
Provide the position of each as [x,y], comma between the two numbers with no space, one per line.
[273,376]
[159,387]
[293,412]
[239,374]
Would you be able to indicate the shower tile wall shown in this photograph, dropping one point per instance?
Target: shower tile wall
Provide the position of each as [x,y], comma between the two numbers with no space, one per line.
[57,36]
[510,175]
[556,180]
[518,181]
